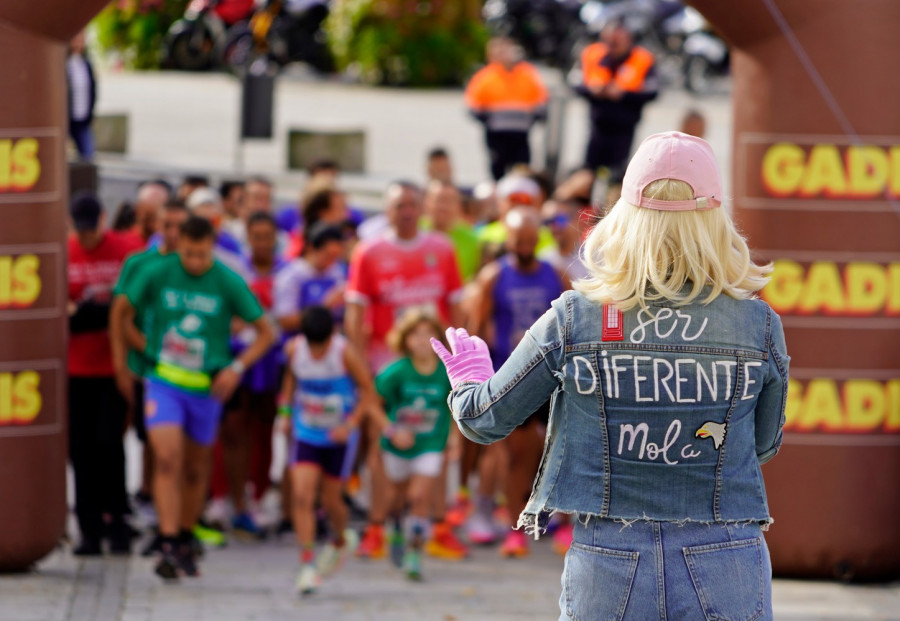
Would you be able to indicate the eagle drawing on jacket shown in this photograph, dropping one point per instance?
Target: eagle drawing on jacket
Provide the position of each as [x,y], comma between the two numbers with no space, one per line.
[716,431]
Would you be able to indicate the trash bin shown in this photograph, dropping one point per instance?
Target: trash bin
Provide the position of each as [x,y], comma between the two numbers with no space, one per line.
[257,100]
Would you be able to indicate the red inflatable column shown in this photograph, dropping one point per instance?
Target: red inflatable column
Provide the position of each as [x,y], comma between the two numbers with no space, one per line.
[33,197]
[817,189]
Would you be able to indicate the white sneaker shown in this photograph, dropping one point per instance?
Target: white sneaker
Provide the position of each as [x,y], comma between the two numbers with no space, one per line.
[480,529]
[307,580]
[218,511]
[332,558]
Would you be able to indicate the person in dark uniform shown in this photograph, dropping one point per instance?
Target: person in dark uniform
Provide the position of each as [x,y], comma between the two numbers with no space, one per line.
[618,79]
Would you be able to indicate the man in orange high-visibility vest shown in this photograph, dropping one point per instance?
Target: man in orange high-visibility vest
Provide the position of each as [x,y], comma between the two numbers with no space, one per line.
[618,78]
[507,96]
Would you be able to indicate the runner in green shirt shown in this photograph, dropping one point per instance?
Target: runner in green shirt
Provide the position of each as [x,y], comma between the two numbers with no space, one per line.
[414,390]
[191,300]
[443,211]
[416,401]
[129,364]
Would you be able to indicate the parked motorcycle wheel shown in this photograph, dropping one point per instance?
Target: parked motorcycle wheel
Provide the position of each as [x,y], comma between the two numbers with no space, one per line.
[699,75]
[236,52]
[192,50]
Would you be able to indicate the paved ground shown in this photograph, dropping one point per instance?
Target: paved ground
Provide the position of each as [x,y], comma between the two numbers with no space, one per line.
[245,582]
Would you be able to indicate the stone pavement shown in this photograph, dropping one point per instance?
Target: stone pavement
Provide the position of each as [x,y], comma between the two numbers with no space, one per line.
[246,581]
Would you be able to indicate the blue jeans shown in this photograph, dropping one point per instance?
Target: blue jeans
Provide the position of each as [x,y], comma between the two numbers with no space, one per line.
[83,137]
[665,570]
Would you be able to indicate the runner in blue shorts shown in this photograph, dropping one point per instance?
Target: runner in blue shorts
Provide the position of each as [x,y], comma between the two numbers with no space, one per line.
[188,301]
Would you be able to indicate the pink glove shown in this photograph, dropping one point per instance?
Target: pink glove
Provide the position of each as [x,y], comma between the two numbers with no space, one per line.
[470,360]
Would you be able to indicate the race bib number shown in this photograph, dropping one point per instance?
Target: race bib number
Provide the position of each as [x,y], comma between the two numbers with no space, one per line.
[418,418]
[181,351]
[321,412]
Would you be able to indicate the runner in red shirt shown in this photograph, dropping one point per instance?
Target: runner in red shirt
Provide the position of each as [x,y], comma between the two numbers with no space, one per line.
[96,408]
[404,268]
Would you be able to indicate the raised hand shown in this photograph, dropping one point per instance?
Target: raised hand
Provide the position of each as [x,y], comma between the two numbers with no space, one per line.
[468,359]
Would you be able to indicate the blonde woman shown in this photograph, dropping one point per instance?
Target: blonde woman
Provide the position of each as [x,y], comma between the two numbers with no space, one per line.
[668,379]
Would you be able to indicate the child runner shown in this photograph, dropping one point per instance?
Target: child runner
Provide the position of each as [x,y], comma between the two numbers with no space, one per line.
[326,391]
[414,390]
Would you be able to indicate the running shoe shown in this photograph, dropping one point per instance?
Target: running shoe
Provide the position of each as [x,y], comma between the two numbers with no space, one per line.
[397,546]
[373,543]
[210,536]
[412,564]
[332,558]
[187,560]
[515,545]
[480,529]
[307,580]
[445,545]
[245,527]
[168,566]
[217,513]
[562,539]
[459,512]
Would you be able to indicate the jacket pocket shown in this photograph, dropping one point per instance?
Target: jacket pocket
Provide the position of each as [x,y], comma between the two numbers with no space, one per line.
[598,582]
[728,578]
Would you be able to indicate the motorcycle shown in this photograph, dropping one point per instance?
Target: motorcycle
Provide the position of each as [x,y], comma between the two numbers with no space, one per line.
[664,27]
[546,29]
[191,41]
[281,32]
[707,61]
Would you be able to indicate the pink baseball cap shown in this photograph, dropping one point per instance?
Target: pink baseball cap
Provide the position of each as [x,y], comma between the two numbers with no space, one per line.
[674,155]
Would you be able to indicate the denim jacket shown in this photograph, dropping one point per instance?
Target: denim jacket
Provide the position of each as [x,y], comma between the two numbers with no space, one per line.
[661,415]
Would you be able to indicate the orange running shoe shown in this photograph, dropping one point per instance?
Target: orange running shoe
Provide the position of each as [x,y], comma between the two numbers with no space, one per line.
[459,512]
[373,545]
[515,545]
[444,544]
[562,539]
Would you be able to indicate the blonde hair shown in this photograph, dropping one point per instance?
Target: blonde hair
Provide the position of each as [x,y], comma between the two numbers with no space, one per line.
[636,255]
[409,321]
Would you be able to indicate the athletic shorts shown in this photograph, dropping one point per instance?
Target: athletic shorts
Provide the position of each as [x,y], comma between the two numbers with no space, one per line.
[329,458]
[197,415]
[402,468]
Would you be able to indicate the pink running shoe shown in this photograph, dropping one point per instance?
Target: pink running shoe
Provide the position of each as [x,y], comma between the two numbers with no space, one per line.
[562,539]
[515,545]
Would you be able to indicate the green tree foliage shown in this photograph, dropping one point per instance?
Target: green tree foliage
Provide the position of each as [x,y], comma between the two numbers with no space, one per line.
[408,42]
[136,28]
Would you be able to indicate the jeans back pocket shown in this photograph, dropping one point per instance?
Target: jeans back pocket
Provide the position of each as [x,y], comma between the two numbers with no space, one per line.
[728,578]
[597,582]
